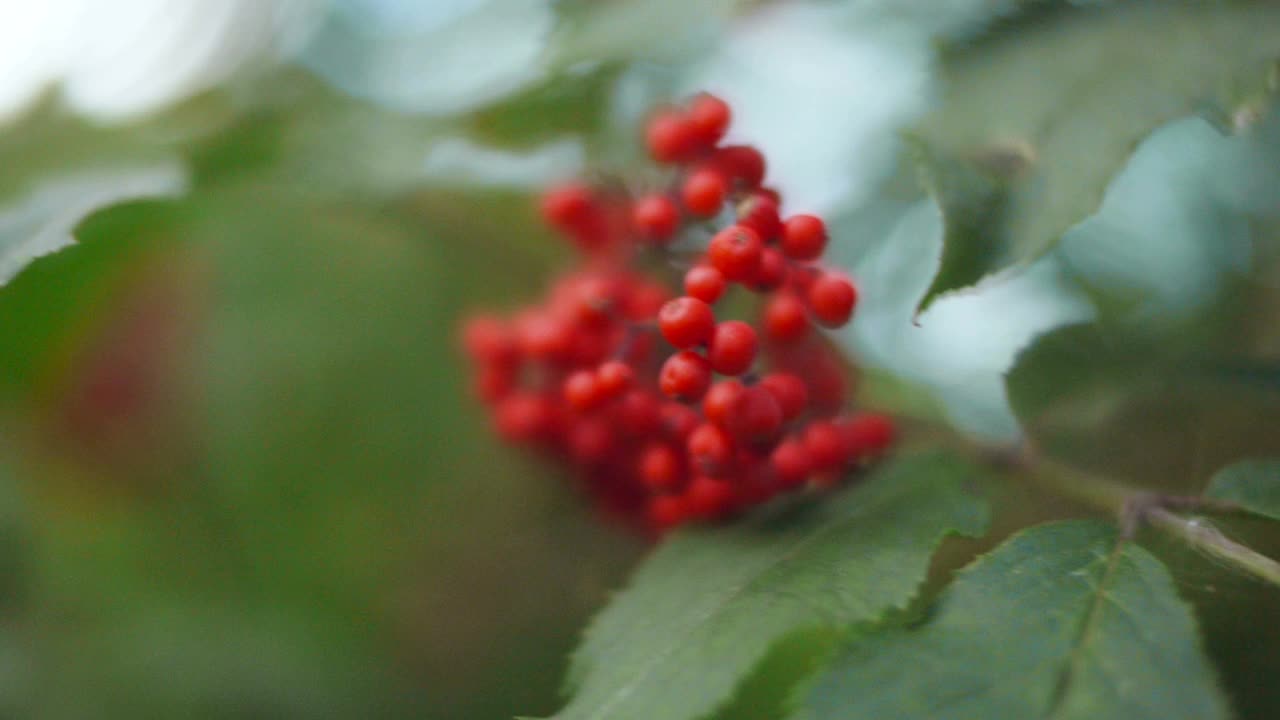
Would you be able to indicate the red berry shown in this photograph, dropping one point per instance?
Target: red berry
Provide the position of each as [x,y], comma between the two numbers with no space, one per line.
[790,463]
[733,347]
[785,318]
[685,376]
[638,413]
[789,391]
[668,511]
[771,272]
[868,434]
[825,444]
[591,440]
[757,486]
[567,206]
[670,137]
[590,300]
[656,217]
[704,283]
[543,337]
[742,163]
[703,192]
[832,298]
[755,415]
[804,237]
[494,382]
[709,116]
[678,420]
[613,378]
[760,213]
[486,338]
[686,321]
[719,401]
[659,467]
[735,252]
[710,450]
[709,497]
[525,417]
[645,299]
[582,391]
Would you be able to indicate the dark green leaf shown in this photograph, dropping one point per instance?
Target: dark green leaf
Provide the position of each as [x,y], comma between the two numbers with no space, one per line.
[708,605]
[1254,484]
[1063,621]
[1046,110]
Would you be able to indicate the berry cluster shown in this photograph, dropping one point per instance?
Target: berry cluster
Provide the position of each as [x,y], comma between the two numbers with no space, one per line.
[669,413]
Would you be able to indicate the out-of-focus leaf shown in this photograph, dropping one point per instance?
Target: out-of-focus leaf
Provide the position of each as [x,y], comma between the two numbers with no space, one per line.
[1105,394]
[48,307]
[1253,484]
[1050,106]
[1063,621]
[634,29]
[706,607]
[59,169]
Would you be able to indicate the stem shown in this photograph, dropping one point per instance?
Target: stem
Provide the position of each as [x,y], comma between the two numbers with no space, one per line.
[1206,538]
[1134,507]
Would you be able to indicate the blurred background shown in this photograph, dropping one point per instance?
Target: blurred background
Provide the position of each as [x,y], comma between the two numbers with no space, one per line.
[240,471]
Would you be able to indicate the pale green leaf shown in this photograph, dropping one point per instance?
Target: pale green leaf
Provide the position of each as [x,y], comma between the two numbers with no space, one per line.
[1049,108]
[1063,621]
[708,605]
[1254,484]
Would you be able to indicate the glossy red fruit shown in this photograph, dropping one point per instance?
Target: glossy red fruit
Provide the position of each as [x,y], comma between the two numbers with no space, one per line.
[785,318]
[804,237]
[771,272]
[591,440]
[567,206]
[660,467]
[678,420]
[638,413]
[709,498]
[825,445]
[703,192]
[670,137]
[789,391]
[685,376]
[832,299]
[543,336]
[710,449]
[719,401]
[494,382]
[486,338]
[733,347]
[525,417]
[735,252]
[790,463]
[668,511]
[704,283]
[613,378]
[582,391]
[759,211]
[709,116]
[656,217]
[868,434]
[755,416]
[742,164]
[686,321]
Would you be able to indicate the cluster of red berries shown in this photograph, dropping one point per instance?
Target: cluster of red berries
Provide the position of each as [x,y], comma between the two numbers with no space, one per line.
[668,413]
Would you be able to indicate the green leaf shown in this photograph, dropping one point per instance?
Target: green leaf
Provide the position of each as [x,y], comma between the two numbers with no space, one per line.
[707,605]
[1254,484]
[1063,621]
[1044,111]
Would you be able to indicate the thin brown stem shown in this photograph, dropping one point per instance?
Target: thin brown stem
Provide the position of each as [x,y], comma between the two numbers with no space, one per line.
[1133,507]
